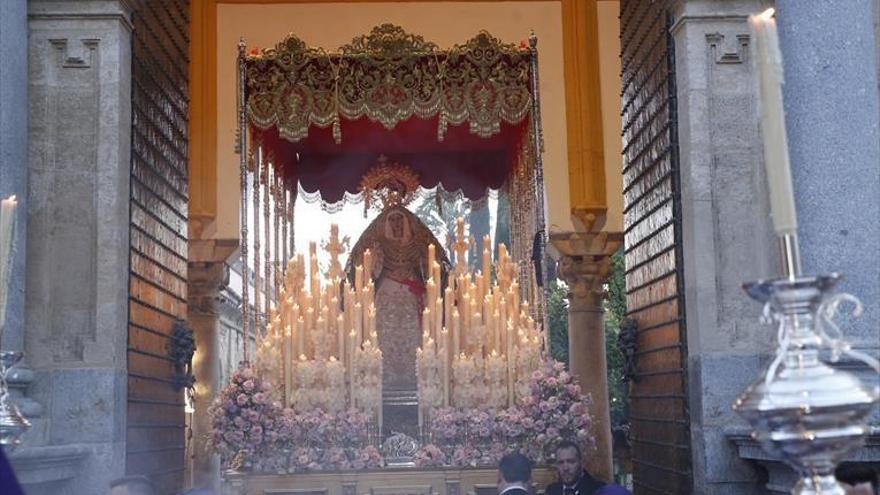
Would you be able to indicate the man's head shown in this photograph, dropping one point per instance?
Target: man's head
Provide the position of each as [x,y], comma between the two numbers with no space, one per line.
[132,485]
[857,479]
[514,468]
[569,462]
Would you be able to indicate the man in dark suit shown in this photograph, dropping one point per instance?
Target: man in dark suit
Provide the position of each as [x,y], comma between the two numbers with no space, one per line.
[514,475]
[573,478]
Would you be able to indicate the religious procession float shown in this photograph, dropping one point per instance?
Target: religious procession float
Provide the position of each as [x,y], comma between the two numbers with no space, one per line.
[397,367]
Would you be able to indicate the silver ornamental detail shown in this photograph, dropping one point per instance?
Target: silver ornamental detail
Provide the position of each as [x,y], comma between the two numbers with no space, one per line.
[400,449]
[12,423]
[802,410]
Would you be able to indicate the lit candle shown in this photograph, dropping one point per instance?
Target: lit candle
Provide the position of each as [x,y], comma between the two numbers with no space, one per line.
[487,272]
[352,338]
[372,325]
[444,356]
[476,332]
[300,330]
[368,265]
[340,337]
[456,331]
[288,365]
[426,325]
[359,322]
[358,278]
[769,67]
[438,315]
[7,232]
[313,259]
[496,327]
[448,301]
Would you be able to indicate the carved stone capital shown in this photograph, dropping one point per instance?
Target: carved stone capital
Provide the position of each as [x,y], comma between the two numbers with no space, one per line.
[206,280]
[584,264]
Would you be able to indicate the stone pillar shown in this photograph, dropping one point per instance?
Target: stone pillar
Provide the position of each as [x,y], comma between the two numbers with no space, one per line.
[206,280]
[584,263]
[833,122]
[77,272]
[726,235]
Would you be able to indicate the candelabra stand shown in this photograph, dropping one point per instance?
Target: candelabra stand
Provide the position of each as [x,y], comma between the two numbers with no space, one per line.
[802,410]
[12,423]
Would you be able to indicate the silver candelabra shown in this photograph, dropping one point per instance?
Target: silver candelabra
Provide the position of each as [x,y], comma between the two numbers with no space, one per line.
[802,410]
[12,423]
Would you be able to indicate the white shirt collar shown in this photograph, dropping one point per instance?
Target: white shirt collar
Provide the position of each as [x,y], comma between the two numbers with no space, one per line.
[514,486]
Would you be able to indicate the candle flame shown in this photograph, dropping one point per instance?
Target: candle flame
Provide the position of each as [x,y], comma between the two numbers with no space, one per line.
[767,14]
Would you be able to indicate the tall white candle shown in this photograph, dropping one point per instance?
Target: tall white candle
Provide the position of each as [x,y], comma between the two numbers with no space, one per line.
[769,66]
[456,331]
[7,232]
[340,337]
[288,366]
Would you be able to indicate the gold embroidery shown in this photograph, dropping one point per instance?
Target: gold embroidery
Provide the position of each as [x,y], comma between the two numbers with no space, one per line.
[388,76]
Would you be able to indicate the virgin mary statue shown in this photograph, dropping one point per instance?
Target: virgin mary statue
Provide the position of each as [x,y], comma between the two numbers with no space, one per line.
[398,242]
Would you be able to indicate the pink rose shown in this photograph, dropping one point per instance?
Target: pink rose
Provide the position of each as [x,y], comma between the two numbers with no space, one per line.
[248,385]
[242,399]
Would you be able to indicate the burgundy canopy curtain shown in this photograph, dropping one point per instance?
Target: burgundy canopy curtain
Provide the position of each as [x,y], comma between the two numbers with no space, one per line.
[465,119]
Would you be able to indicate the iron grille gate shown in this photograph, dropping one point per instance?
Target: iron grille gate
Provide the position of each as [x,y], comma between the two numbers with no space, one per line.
[652,239]
[155,438]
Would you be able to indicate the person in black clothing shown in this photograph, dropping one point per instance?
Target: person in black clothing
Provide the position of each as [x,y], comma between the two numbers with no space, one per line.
[514,475]
[573,478]
[8,483]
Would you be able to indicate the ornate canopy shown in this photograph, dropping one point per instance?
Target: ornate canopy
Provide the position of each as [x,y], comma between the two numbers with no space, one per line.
[456,116]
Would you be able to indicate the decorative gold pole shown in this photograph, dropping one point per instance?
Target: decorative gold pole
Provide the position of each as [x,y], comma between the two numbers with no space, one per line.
[267,228]
[540,200]
[242,151]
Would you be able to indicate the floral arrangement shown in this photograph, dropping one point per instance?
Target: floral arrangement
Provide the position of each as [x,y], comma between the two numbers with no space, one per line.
[243,416]
[249,426]
[554,409]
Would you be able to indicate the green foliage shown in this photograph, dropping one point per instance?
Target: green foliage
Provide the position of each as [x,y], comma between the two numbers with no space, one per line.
[557,316]
[502,221]
[442,222]
[615,311]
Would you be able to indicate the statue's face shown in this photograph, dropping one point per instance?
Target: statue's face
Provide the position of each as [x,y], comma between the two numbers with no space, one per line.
[396,222]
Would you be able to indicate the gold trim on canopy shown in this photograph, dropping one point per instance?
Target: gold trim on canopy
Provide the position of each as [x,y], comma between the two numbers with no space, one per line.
[388,76]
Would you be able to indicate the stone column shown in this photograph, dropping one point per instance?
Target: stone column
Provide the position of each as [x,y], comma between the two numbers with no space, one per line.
[726,234]
[208,275]
[13,180]
[584,265]
[831,105]
[76,297]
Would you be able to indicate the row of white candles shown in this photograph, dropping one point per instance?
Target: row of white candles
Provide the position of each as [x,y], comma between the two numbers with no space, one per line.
[310,324]
[476,318]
